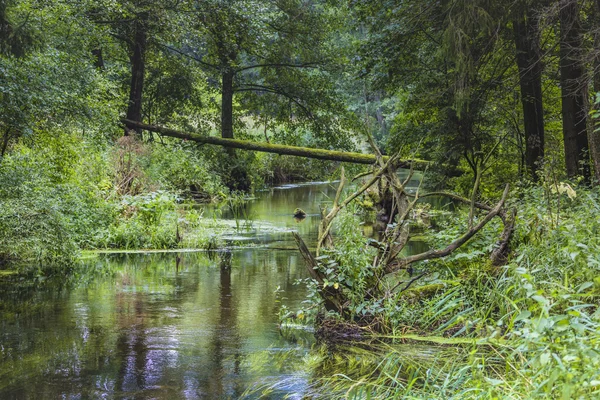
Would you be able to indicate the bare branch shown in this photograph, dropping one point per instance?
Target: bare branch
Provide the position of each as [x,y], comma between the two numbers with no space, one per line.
[481,206]
[261,88]
[191,57]
[325,226]
[432,254]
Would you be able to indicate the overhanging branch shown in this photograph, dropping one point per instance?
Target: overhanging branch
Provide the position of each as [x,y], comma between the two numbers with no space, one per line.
[268,89]
[278,65]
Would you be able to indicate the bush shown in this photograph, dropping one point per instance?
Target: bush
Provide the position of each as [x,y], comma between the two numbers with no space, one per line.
[47,209]
[181,167]
[156,220]
[34,233]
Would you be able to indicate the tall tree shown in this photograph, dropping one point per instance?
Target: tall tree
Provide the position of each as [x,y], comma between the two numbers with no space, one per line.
[265,48]
[140,26]
[574,90]
[594,135]
[46,72]
[137,56]
[449,61]
[529,63]
[13,42]
[15,39]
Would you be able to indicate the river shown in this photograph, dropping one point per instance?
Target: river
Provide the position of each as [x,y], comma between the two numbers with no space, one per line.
[189,325]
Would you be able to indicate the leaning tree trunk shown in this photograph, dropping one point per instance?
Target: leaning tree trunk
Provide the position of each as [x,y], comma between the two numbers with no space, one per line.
[134,109]
[572,81]
[530,78]
[320,154]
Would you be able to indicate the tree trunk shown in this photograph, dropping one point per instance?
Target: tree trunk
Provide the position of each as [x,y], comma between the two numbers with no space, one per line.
[379,114]
[572,82]
[530,78]
[134,109]
[321,154]
[594,134]
[5,140]
[98,59]
[227,105]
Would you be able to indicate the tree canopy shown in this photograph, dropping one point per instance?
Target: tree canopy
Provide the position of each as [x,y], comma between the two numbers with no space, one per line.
[465,84]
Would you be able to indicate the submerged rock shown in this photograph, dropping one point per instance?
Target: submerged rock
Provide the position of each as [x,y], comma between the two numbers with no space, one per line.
[299,213]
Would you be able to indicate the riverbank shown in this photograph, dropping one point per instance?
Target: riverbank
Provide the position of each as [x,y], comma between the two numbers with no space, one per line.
[167,323]
[536,315]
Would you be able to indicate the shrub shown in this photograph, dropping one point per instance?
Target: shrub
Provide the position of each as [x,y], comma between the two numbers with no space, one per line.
[47,209]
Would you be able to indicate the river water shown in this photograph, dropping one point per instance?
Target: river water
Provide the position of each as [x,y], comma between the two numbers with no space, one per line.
[189,325]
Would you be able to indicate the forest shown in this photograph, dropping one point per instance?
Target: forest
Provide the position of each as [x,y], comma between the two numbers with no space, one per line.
[300,199]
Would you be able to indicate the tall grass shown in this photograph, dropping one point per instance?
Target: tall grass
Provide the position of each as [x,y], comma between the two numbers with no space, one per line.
[534,322]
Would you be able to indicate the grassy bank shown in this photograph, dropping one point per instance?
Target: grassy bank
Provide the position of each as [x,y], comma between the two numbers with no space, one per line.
[69,192]
[524,330]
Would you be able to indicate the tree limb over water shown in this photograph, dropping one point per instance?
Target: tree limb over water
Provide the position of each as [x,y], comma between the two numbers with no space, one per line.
[321,154]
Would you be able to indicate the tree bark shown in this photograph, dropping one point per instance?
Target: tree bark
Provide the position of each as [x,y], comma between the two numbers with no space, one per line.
[5,140]
[594,137]
[227,104]
[330,295]
[98,59]
[572,82]
[528,59]
[321,154]
[134,109]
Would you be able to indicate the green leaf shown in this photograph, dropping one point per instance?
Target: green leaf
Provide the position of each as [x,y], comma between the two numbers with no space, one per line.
[523,315]
[545,358]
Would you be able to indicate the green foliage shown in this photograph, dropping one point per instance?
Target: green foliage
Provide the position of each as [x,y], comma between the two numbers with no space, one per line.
[281,56]
[429,79]
[184,168]
[47,212]
[145,221]
[534,322]
[347,268]
[34,233]
[58,196]
[52,83]
[350,265]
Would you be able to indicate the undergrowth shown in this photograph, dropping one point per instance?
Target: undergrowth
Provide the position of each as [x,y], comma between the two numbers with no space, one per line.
[534,322]
[65,193]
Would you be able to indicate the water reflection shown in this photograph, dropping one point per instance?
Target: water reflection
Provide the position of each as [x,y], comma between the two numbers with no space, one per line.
[150,329]
[178,325]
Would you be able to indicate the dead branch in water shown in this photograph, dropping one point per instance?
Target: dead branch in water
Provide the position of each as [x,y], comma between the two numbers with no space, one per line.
[396,233]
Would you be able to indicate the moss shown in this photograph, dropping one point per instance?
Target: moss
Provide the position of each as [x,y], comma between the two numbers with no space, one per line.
[308,152]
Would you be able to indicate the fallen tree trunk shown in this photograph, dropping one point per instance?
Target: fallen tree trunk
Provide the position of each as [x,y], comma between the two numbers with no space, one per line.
[321,154]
